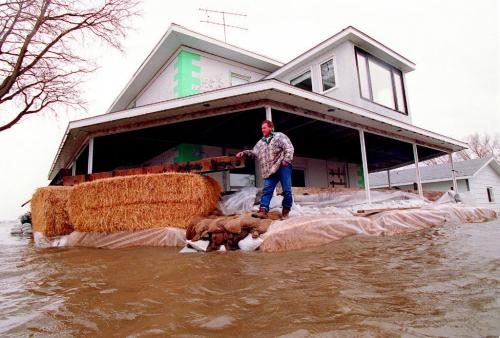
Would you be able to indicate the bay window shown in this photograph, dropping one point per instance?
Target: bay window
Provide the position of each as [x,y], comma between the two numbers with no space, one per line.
[380,82]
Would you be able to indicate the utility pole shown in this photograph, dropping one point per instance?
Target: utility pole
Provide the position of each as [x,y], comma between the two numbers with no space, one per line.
[223,23]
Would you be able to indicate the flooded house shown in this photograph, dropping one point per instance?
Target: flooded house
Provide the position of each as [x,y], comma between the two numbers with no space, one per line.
[343,103]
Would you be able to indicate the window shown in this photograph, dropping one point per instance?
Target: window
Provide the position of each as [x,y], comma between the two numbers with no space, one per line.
[380,82]
[491,197]
[327,75]
[237,79]
[298,177]
[303,81]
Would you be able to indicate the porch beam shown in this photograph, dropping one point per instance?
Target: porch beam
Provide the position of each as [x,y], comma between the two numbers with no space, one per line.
[417,171]
[365,165]
[453,176]
[269,114]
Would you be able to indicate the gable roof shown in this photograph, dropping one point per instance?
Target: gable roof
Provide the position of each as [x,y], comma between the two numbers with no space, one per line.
[175,37]
[361,39]
[435,173]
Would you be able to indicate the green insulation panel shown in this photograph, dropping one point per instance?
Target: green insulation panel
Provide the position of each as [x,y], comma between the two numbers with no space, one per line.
[187,152]
[361,177]
[184,69]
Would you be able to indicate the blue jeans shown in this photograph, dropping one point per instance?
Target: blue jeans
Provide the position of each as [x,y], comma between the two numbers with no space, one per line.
[283,175]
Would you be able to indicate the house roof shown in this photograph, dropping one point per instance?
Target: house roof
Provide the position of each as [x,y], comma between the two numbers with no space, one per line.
[434,173]
[361,39]
[175,37]
[337,111]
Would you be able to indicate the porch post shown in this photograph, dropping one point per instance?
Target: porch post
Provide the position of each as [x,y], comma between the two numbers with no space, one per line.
[417,171]
[91,156]
[365,165]
[73,168]
[269,115]
[453,176]
[389,179]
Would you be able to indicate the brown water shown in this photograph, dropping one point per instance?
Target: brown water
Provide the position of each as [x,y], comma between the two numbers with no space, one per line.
[439,282]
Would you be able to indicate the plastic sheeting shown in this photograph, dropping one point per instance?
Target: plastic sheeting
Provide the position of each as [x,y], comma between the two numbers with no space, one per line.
[309,231]
[162,237]
[239,202]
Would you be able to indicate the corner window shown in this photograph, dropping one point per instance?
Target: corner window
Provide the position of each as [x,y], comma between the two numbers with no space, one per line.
[327,75]
[237,79]
[380,82]
[491,197]
[303,81]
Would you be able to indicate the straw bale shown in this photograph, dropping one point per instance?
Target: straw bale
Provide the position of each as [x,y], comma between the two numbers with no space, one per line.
[49,211]
[142,202]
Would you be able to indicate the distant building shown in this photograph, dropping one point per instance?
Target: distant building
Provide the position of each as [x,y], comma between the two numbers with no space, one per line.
[478,180]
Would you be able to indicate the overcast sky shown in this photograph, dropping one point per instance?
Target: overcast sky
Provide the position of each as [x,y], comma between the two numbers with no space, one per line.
[455,90]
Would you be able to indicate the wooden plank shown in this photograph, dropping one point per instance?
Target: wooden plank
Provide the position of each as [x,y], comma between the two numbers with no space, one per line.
[212,164]
[368,212]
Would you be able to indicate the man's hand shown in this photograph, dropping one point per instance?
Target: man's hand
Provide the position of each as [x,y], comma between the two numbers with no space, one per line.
[284,163]
[240,154]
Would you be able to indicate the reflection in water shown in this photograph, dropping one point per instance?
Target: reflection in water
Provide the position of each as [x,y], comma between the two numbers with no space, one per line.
[439,282]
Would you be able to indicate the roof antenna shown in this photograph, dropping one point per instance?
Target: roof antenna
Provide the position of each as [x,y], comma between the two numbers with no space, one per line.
[223,23]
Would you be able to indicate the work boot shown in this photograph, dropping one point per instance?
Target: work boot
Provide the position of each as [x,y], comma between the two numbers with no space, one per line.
[284,213]
[261,214]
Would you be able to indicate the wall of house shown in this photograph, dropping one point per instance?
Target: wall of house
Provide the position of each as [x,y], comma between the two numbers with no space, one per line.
[346,78]
[192,72]
[486,177]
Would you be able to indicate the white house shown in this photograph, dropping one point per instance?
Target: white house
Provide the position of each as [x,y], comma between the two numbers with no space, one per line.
[478,180]
[343,103]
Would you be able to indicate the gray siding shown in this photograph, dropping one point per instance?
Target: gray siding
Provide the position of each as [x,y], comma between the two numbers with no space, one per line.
[487,177]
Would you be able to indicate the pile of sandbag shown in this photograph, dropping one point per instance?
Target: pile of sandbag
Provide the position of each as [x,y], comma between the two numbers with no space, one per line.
[227,231]
[309,231]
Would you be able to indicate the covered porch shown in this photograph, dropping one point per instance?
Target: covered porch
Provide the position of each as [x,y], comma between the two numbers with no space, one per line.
[335,144]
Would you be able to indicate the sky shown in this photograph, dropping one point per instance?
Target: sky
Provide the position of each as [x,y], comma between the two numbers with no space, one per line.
[454,91]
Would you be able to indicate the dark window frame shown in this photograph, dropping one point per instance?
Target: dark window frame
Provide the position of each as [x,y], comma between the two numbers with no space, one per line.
[392,70]
[310,71]
[489,192]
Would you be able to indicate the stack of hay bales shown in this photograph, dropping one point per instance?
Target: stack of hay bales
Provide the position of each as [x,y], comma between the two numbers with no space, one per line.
[142,202]
[49,211]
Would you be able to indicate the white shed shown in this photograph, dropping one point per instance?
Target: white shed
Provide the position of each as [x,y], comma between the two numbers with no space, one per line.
[478,180]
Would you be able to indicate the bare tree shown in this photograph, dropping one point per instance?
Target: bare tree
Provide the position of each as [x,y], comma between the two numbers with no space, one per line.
[44,50]
[480,145]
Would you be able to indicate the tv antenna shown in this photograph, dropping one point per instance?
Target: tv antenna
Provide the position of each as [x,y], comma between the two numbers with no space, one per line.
[223,23]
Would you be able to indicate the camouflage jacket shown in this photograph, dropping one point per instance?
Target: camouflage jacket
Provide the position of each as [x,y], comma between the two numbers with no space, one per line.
[270,153]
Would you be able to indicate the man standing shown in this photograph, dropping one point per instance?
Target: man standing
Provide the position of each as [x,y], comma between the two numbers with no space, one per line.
[274,152]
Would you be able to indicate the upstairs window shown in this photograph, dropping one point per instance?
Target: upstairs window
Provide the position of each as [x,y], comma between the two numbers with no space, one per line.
[380,82]
[327,75]
[303,81]
[237,79]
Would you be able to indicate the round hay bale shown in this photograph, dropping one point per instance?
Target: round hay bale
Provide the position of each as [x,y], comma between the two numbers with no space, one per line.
[142,202]
[49,211]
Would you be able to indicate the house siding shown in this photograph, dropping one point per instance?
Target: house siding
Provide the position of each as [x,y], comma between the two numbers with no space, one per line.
[486,177]
[192,72]
[346,78]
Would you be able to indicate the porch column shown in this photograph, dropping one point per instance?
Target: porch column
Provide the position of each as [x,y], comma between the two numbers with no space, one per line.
[91,156]
[269,115]
[365,165]
[417,171]
[73,168]
[453,177]
[389,179]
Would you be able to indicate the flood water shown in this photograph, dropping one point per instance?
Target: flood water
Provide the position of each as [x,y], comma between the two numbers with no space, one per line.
[438,282]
